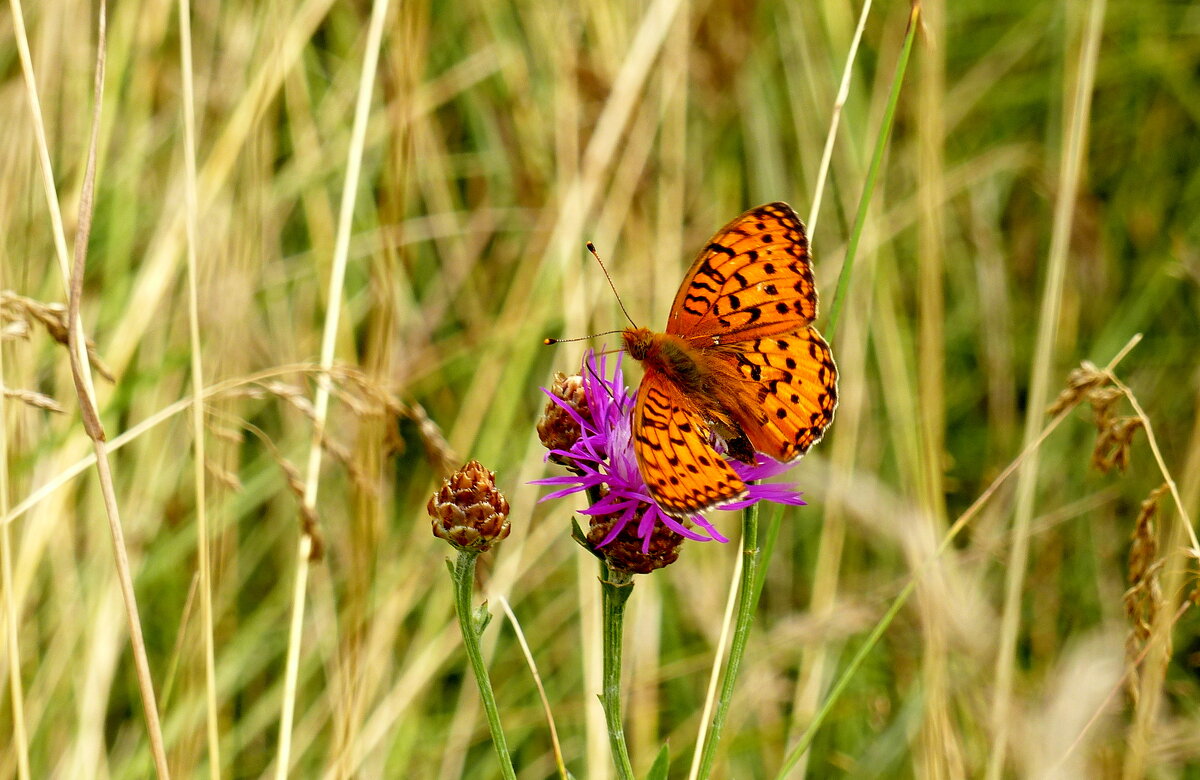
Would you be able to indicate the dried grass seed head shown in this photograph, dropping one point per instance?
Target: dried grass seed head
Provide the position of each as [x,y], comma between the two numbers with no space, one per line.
[1113,444]
[1079,382]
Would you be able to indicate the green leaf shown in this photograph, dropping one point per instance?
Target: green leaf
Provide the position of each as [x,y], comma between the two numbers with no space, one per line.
[481,618]
[581,539]
[662,762]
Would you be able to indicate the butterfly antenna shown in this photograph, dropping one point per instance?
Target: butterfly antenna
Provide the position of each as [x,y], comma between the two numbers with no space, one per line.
[548,342]
[592,248]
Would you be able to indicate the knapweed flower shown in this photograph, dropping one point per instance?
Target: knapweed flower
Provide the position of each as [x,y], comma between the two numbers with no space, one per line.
[604,464]
[468,511]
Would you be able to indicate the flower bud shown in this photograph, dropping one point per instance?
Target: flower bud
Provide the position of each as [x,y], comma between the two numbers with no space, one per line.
[468,511]
[557,429]
[628,552]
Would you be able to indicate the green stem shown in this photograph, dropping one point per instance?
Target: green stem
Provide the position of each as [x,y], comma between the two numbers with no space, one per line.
[768,546]
[615,588]
[464,582]
[810,733]
[806,739]
[864,201]
[747,601]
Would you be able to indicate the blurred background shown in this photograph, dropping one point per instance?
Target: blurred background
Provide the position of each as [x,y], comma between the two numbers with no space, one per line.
[1042,173]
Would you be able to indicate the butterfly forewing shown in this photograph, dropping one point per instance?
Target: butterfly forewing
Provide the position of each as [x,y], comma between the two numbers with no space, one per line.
[752,279]
[792,393]
[683,472]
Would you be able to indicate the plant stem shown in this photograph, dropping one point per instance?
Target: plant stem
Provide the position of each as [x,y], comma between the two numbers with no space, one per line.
[464,581]
[864,201]
[615,588]
[806,739]
[747,601]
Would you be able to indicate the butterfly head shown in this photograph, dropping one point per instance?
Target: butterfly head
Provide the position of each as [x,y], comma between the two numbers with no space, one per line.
[638,342]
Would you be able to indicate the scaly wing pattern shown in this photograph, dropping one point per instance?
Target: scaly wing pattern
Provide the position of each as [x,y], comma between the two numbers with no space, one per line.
[684,473]
[753,279]
[791,392]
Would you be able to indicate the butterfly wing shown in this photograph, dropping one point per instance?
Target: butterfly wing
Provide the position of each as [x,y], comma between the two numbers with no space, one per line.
[791,392]
[683,472]
[753,279]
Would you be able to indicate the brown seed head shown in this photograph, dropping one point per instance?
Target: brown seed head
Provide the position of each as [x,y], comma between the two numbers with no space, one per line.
[468,511]
[1113,443]
[1103,401]
[625,552]
[1079,382]
[1144,600]
[556,429]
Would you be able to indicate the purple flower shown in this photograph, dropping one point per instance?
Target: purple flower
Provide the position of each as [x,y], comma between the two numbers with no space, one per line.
[603,458]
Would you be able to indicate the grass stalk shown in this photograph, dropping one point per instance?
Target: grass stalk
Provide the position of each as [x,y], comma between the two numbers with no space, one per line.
[559,764]
[12,623]
[80,364]
[810,733]
[1039,389]
[714,676]
[333,299]
[838,104]
[1146,704]
[212,711]
[864,202]
[1152,440]
[749,590]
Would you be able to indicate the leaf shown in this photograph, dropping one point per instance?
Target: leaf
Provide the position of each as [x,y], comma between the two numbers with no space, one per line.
[662,763]
[481,618]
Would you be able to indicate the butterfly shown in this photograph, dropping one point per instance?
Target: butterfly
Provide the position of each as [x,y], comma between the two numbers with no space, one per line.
[739,360]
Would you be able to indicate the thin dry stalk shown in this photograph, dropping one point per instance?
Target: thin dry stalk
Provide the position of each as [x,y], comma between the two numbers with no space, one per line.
[838,104]
[1158,458]
[16,692]
[812,678]
[1158,635]
[714,677]
[921,570]
[80,365]
[238,385]
[309,522]
[200,461]
[1064,210]
[321,400]
[181,637]
[21,312]
[537,680]
[1129,669]
[33,399]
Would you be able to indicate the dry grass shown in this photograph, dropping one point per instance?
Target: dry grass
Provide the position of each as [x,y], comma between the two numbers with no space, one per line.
[342,281]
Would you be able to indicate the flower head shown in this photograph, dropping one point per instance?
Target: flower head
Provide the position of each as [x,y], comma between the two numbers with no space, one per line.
[558,428]
[603,461]
[468,511]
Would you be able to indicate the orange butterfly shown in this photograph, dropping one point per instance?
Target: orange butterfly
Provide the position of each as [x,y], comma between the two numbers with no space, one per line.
[739,359]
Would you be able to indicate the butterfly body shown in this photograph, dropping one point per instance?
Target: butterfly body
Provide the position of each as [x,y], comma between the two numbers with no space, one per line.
[700,373]
[739,360]
[671,355]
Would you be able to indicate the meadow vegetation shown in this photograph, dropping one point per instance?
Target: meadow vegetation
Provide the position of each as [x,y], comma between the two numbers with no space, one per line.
[417,227]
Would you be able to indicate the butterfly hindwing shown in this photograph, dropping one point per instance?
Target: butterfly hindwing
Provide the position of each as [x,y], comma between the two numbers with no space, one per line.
[791,394]
[753,278]
[683,472]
